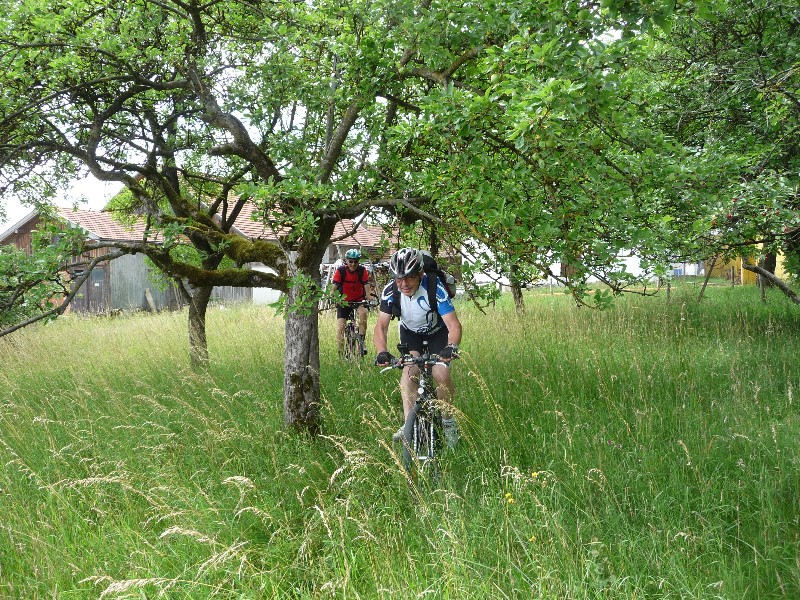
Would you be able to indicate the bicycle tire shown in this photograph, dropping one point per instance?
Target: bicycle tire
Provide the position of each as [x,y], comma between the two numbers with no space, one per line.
[421,444]
[351,344]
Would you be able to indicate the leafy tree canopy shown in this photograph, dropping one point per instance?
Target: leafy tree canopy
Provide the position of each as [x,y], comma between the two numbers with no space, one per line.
[726,84]
[526,127]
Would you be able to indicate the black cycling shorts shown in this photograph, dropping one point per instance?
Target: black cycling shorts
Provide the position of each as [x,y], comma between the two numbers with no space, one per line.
[344,312]
[436,341]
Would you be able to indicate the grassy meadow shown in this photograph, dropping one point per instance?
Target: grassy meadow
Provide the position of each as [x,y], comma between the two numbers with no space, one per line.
[647,451]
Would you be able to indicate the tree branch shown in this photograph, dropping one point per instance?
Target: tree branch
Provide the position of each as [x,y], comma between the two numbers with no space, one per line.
[243,146]
[76,286]
[334,149]
[774,280]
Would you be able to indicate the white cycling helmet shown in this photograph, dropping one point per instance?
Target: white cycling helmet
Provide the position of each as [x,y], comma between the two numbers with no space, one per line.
[405,262]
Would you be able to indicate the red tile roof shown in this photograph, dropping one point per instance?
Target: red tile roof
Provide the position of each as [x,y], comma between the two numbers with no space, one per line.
[101,226]
[366,236]
[250,225]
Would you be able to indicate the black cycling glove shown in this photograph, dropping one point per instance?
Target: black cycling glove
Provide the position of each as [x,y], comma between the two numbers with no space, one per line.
[383,358]
[449,352]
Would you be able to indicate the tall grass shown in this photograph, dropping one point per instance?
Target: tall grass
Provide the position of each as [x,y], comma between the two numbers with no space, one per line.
[647,451]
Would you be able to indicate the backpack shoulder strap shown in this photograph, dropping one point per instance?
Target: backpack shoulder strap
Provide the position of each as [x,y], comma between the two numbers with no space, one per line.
[361,270]
[395,301]
[341,270]
[433,283]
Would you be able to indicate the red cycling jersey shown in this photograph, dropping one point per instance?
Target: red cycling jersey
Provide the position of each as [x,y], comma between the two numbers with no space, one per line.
[352,286]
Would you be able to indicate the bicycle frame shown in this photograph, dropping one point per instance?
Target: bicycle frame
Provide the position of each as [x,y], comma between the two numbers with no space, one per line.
[353,344]
[422,430]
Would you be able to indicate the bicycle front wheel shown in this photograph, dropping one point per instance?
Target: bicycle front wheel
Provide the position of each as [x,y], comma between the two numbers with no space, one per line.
[421,443]
[352,345]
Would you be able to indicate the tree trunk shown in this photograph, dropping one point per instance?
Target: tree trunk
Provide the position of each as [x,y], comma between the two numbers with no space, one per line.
[198,345]
[301,410]
[709,270]
[434,243]
[769,263]
[519,301]
[516,291]
[301,375]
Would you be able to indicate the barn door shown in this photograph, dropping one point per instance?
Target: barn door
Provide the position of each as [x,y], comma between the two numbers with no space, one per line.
[97,290]
[94,294]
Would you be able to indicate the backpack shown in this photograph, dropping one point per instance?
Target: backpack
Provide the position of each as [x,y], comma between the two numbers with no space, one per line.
[435,274]
[343,271]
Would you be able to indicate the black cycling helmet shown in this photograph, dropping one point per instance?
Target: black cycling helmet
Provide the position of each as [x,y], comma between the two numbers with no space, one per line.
[405,262]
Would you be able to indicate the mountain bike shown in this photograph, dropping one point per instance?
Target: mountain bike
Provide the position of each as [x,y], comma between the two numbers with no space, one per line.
[422,432]
[354,347]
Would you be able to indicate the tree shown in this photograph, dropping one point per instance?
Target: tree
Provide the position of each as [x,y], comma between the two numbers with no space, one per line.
[502,119]
[29,284]
[557,159]
[726,81]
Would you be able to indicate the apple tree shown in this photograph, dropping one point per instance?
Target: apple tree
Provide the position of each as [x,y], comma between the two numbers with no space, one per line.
[500,120]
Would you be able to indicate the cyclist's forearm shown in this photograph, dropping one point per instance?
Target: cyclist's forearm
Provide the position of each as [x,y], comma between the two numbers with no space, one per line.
[380,343]
[453,329]
[380,338]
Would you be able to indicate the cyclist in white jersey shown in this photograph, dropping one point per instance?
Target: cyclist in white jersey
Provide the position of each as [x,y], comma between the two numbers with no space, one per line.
[441,329]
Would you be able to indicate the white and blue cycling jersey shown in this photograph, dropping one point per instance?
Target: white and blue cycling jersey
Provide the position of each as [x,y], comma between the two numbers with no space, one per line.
[416,314]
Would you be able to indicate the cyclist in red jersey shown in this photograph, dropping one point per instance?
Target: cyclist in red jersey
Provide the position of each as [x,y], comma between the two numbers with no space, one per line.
[352,281]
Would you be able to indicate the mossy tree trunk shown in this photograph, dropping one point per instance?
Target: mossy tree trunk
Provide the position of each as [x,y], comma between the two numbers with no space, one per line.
[198,344]
[301,394]
[301,389]
[519,301]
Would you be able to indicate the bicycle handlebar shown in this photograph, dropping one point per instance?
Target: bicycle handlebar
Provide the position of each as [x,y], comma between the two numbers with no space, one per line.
[363,303]
[408,360]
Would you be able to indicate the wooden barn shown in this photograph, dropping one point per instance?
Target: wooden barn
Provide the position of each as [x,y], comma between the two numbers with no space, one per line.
[126,283]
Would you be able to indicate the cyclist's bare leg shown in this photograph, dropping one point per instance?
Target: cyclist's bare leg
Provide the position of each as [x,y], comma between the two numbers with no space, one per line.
[445,388]
[409,383]
[340,323]
[362,320]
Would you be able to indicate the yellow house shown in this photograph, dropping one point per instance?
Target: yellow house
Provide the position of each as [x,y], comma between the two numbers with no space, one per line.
[733,270]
